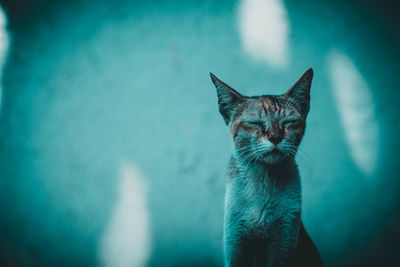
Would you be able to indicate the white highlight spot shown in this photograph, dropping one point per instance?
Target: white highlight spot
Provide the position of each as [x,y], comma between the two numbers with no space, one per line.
[4,43]
[126,241]
[264,30]
[356,107]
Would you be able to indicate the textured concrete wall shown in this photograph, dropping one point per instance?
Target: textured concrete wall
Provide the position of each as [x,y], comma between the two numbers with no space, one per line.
[112,151]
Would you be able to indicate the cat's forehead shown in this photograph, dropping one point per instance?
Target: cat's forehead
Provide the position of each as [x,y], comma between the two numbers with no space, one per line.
[267,106]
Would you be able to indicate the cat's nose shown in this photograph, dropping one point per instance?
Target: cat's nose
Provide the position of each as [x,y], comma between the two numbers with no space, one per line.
[275,137]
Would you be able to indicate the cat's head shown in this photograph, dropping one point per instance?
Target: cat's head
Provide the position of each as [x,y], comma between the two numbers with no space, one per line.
[267,128]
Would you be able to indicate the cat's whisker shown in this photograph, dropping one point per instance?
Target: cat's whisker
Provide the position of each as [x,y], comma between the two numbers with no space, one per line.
[307,158]
[253,156]
[291,150]
[246,155]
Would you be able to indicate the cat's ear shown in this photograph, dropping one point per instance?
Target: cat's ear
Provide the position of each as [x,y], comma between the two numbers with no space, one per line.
[228,98]
[299,93]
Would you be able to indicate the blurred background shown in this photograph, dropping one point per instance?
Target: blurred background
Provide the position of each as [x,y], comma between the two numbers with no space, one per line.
[112,150]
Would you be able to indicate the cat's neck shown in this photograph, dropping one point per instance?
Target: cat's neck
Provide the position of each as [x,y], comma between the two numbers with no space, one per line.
[281,172]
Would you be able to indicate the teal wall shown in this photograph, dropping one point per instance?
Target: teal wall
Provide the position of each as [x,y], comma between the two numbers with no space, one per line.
[112,151]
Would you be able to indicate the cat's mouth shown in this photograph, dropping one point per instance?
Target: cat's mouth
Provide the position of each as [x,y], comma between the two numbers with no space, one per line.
[274,151]
[272,156]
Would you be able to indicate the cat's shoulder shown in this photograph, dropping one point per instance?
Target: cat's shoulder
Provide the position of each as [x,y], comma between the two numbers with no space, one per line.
[233,169]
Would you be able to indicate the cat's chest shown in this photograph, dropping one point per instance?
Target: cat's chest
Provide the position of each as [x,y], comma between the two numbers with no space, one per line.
[266,207]
[260,203]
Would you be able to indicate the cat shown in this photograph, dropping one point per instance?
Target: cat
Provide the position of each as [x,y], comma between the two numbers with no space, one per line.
[262,220]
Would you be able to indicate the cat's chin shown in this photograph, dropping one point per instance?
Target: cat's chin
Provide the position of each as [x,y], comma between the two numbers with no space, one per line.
[271,160]
[273,157]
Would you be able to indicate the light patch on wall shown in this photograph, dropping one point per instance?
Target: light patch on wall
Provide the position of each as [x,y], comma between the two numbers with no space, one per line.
[356,108]
[4,43]
[126,241]
[264,30]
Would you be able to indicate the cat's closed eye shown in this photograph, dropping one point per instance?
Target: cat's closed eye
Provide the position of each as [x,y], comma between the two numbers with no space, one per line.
[257,124]
[291,122]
